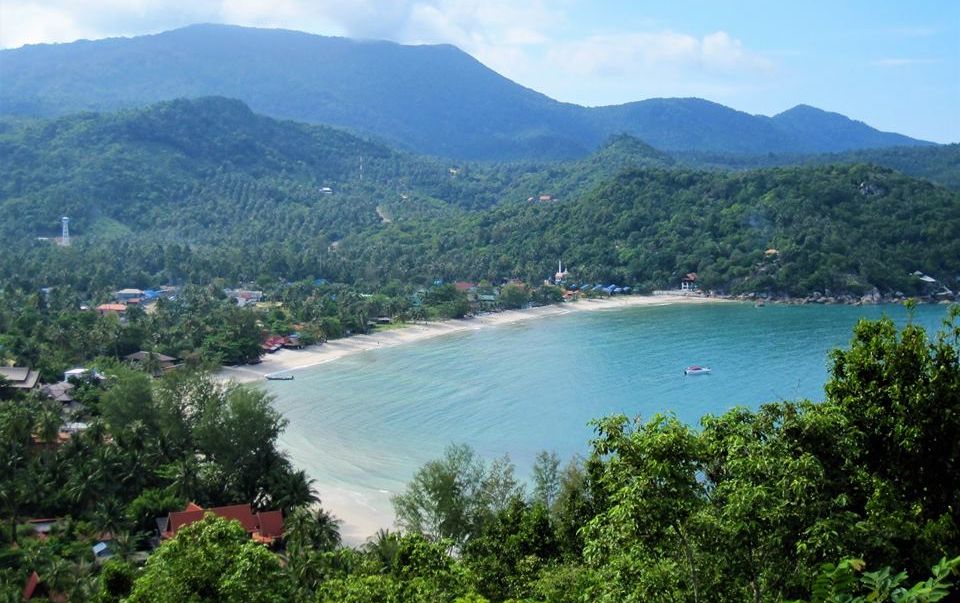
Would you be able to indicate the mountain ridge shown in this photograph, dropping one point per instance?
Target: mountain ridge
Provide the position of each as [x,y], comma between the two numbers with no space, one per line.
[432,99]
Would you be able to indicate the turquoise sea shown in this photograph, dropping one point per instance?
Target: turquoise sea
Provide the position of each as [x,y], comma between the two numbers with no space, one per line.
[362,425]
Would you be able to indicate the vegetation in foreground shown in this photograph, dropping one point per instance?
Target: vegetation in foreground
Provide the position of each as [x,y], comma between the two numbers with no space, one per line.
[851,499]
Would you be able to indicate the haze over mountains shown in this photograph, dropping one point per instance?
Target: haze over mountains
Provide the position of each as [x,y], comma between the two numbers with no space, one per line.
[436,100]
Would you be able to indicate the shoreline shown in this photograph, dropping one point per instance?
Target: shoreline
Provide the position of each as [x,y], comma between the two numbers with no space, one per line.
[363,509]
[286,360]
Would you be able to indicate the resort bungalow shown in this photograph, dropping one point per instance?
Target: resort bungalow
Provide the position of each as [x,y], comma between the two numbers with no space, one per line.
[273,343]
[20,377]
[932,286]
[162,363]
[244,297]
[61,392]
[117,309]
[689,282]
[265,527]
[126,296]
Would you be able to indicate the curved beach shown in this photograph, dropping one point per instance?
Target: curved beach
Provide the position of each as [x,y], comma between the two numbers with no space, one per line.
[288,360]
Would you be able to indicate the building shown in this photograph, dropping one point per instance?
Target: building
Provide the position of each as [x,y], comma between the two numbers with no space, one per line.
[127,295]
[689,282]
[265,527]
[61,392]
[163,363]
[116,309]
[101,552]
[244,297]
[545,198]
[20,377]
[561,274]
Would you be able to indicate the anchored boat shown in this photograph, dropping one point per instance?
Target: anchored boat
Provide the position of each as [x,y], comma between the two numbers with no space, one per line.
[278,377]
[696,370]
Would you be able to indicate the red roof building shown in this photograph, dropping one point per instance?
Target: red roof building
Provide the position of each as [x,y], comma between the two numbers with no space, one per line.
[104,309]
[30,588]
[264,527]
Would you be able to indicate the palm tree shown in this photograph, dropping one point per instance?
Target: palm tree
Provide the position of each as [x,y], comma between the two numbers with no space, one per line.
[83,584]
[383,548]
[315,530]
[58,574]
[185,477]
[108,517]
[292,490]
[48,424]
[152,365]
[15,427]
[124,544]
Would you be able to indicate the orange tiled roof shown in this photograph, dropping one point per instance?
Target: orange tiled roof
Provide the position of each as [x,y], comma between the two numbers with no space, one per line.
[111,308]
[264,526]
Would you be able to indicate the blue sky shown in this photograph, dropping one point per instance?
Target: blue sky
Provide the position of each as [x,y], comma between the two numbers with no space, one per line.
[892,64]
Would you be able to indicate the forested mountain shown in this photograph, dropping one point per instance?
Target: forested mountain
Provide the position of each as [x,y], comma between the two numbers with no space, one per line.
[436,100]
[188,191]
[833,228]
[940,163]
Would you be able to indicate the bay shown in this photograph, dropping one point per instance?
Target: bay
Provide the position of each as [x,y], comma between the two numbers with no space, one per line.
[362,425]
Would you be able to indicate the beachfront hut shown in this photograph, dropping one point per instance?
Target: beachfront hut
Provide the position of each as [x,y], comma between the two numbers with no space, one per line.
[161,362]
[20,377]
[689,282]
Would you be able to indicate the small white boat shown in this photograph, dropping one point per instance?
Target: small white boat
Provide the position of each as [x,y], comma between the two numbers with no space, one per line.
[275,377]
[696,370]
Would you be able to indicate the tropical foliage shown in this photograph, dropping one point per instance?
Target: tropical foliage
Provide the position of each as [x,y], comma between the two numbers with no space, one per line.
[792,501]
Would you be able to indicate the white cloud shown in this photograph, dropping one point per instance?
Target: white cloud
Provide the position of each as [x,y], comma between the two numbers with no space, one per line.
[49,21]
[532,42]
[23,23]
[640,53]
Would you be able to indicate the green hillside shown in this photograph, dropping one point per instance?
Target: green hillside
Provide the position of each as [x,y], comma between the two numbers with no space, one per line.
[939,164]
[835,228]
[195,190]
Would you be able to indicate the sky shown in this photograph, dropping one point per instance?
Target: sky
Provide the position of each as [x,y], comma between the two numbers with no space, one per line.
[890,63]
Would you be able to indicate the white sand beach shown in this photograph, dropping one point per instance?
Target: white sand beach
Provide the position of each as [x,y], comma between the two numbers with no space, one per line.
[285,360]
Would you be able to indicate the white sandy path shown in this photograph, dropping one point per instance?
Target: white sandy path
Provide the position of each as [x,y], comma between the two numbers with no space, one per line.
[289,360]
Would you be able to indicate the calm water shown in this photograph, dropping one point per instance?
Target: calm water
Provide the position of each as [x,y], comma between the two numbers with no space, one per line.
[362,425]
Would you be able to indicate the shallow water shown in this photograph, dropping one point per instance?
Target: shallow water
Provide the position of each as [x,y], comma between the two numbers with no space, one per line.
[362,425]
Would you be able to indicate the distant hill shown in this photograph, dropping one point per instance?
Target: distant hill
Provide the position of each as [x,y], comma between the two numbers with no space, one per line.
[159,168]
[435,100]
[938,163]
[193,190]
